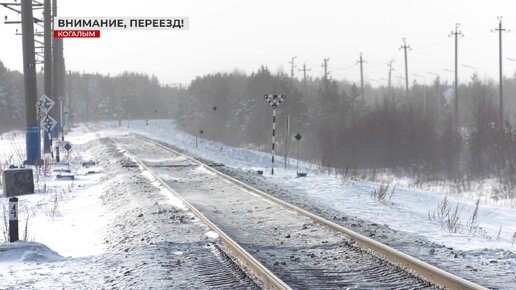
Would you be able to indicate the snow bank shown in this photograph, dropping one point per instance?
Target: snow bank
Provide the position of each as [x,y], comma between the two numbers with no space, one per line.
[22,251]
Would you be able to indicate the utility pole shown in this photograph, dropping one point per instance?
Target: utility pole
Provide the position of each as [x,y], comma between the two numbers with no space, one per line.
[287,138]
[33,146]
[70,98]
[304,70]
[47,28]
[87,97]
[439,100]
[292,66]
[361,61]
[58,75]
[500,30]
[424,93]
[456,33]
[325,66]
[405,47]
[389,92]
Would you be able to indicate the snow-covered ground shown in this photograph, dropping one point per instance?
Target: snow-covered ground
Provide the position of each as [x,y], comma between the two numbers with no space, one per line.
[97,237]
[407,209]
[111,227]
[61,223]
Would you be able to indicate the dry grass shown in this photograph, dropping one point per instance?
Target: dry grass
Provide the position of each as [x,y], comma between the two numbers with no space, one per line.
[5,229]
[473,223]
[382,192]
[26,232]
[453,221]
[53,209]
[443,214]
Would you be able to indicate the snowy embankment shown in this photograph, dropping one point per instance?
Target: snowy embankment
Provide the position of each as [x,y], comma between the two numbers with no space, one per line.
[96,232]
[110,227]
[433,224]
[405,208]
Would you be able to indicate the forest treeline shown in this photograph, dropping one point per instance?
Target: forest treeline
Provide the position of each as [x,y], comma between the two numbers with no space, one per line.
[12,104]
[93,97]
[386,129]
[415,134]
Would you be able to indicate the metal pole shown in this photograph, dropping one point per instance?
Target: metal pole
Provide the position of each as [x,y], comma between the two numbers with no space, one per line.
[424,100]
[273,135]
[33,146]
[424,93]
[58,73]
[389,93]
[406,74]
[361,61]
[61,118]
[292,66]
[274,101]
[304,70]
[456,33]
[88,98]
[501,75]
[456,78]
[297,157]
[286,141]
[47,64]
[500,29]
[405,47]
[55,68]
[58,159]
[70,98]
[438,98]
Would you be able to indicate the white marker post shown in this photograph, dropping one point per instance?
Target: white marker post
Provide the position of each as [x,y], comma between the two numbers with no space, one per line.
[13,219]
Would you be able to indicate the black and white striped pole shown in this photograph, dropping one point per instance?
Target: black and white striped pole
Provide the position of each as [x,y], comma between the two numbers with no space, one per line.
[13,219]
[274,101]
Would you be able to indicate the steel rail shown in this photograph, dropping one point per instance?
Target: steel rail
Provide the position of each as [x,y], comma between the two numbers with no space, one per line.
[269,279]
[413,265]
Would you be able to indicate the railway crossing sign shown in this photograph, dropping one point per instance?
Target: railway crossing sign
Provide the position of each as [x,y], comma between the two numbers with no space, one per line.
[274,101]
[48,123]
[67,146]
[45,104]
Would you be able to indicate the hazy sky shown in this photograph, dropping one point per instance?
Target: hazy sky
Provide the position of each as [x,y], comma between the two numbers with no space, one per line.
[225,35]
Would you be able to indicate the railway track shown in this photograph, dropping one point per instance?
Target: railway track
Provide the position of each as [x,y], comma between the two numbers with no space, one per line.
[286,249]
